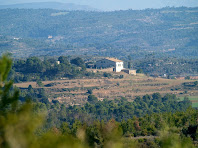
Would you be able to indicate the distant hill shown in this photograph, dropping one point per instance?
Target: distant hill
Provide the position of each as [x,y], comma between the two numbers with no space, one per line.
[109,5]
[172,31]
[49,5]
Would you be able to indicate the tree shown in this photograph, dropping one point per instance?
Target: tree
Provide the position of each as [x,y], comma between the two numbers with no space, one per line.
[92,99]
[33,65]
[129,65]
[30,88]
[121,76]
[105,74]
[89,91]
[63,60]
[157,96]
[139,71]
[39,83]
[78,61]
[196,83]
[5,86]
[13,116]
[187,78]
[19,124]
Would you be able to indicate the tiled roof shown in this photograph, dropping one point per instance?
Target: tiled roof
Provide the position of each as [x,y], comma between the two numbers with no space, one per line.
[113,59]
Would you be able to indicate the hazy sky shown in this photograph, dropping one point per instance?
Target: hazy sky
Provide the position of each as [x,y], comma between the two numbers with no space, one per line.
[117,4]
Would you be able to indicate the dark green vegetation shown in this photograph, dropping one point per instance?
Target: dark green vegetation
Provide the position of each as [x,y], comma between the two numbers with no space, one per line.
[35,69]
[47,68]
[107,109]
[42,125]
[169,66]
[167,32]
[122,109]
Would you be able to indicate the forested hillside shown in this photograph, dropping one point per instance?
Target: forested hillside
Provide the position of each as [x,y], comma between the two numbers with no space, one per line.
[166,31]
[30,120]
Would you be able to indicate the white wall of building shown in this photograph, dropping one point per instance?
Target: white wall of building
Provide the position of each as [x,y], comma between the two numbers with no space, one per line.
[119,66]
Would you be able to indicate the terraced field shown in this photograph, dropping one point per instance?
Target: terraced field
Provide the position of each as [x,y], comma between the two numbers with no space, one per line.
[75,91]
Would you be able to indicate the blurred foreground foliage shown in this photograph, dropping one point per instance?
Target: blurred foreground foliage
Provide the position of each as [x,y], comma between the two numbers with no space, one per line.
[20,126]
[23,125]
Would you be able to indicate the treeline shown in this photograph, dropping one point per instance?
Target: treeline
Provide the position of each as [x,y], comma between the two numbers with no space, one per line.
[38,125]
[117,109]
[170,66]
[35,69]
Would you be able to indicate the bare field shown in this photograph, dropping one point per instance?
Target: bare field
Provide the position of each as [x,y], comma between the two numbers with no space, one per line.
[75,91]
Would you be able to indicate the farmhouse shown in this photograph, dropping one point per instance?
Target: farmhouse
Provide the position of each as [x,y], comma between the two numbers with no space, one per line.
[110,62]
[130,71]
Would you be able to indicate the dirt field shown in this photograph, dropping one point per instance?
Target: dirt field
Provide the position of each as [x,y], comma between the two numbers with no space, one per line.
[75,91]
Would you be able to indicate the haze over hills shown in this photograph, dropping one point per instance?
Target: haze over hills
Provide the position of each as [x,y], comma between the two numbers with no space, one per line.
[116,4]
[50,5]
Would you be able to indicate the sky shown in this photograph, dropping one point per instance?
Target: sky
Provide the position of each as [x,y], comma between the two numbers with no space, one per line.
[109,5]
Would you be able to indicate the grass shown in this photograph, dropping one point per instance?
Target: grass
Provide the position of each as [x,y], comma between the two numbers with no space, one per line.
[195,105]
[192,98]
